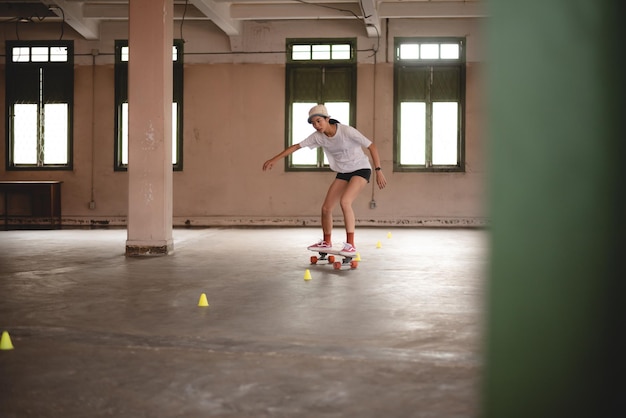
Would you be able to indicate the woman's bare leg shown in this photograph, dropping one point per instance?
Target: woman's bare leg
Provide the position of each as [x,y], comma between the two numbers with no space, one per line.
[334,194]
[350,193]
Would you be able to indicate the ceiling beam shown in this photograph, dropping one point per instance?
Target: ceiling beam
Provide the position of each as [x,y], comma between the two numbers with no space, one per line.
[372,10]
[220,15]
[84,16]
[293,11]
[72,14]
[439,9]
[370,18]
[120,12]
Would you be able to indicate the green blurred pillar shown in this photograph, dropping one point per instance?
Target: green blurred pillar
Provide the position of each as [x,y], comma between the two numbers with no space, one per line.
[556,303]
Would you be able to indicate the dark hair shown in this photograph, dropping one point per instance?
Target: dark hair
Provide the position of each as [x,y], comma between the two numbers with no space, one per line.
[333,121]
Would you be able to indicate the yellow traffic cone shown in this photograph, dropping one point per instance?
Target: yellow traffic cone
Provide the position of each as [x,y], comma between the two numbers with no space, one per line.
[358,257]
[307,275]
[5,341]
[388,235]
[379,245]
[203,302]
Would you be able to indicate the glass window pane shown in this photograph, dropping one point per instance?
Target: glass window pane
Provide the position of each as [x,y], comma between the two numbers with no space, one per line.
[124,54]
[21,54]
[321,52]
[409,51]
[25,134]
[39,54]
[301,52]
[445,128]
[55,138]
[58,54]
[124,138]
[413,133]
[429,51]
[300,130]
[341,52]
[450,51]
[174,132]
[124,144]
[339,111]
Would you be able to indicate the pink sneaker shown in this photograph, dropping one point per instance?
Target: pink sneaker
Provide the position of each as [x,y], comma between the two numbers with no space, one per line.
[320,246]
[348,250]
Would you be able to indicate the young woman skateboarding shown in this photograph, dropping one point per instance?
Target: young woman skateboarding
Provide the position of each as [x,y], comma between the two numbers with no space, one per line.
[343,146]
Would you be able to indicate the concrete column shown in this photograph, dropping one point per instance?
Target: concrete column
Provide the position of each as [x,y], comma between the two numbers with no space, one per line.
[150,127]
[556,292]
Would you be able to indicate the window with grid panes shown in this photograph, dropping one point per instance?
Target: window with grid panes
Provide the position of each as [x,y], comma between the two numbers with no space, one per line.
[317,72]
[429,100]
[39,102]
[121,105]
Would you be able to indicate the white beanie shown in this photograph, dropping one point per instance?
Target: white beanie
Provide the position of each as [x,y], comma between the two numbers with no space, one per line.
[319,110]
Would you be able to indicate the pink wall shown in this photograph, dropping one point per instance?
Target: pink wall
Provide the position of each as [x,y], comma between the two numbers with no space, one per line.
[234,121]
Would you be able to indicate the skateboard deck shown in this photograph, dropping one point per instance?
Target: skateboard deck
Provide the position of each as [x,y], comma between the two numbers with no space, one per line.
[329,254]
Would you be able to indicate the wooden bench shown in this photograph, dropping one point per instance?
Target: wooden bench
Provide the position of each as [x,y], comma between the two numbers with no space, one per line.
[31,203]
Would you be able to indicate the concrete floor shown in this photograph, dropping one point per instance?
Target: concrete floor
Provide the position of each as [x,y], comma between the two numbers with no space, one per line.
[98,334]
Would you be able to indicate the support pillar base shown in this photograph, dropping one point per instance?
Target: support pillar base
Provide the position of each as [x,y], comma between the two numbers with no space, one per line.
[148,250]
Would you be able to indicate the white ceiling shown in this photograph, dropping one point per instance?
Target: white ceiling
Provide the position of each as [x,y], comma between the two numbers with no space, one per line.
[85,16]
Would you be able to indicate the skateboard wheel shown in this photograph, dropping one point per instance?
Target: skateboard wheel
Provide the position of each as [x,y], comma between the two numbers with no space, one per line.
[337,265]
[313,259]
[331,259]
[354,264]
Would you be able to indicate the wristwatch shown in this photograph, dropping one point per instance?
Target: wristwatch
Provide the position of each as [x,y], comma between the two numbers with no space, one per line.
[377,169]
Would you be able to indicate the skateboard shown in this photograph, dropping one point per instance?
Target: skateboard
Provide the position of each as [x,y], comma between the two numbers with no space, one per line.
[329,254]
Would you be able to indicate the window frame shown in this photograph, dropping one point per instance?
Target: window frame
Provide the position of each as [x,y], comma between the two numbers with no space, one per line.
[348,66]
[121,96]
[433,65]
[12,97]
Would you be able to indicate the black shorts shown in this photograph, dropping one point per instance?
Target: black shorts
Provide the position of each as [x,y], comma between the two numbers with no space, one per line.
[366,173]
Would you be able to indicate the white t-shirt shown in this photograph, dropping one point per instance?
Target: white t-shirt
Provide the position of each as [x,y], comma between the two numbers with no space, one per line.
[344,151]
